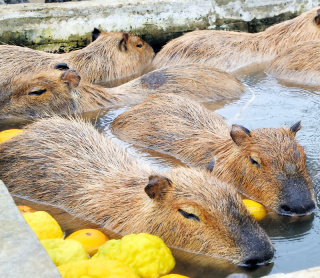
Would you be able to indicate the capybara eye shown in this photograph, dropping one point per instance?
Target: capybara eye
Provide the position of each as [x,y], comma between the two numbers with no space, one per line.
[254,162]
[189,215]
[37,93]
[139,45]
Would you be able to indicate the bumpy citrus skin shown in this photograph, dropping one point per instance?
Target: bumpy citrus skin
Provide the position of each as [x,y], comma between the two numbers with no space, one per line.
[43,225]
[255,209]
[8,134]
[146,254]
[91,239]
[97,268]
[64,251]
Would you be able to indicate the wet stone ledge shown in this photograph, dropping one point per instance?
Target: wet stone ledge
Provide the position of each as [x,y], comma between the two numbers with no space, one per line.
[21,253]
[61,27]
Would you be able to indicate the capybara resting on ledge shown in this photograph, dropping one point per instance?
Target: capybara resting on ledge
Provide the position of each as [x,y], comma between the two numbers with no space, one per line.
[70,165]
[110,56]
[64,92]
[265,164]
[299,64]
[233,50]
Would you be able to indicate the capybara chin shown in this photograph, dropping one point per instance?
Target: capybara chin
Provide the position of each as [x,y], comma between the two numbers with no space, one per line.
[63,91]
[299,64]
[110,56]
[69,164]
[233,50]
[265,164]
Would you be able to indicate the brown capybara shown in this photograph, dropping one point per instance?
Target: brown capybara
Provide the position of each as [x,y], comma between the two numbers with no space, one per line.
[298,64]
[233,50]
[64,92]
[70,165]
[265,164]
[110,56]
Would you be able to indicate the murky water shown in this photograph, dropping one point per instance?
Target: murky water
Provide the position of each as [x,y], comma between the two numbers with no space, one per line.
[267,103]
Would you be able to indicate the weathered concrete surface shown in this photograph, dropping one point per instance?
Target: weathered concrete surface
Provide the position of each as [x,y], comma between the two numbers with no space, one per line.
[308,273]
[21,253]
[68,25]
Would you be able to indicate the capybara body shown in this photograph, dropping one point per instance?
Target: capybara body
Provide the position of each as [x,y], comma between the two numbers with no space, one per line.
[110,56]
[299,64]
[233,50]
[64,92]
[69,164]
[266,164]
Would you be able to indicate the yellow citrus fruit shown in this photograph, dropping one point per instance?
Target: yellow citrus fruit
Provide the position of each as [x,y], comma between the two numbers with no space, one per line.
[146,254]
[25,209]
[64,251]
[97,268]
[91,239]
[255,209]
[174,276]
[43,225]
[8,134]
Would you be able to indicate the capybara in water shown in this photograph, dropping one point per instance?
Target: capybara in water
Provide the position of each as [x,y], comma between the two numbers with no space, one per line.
[110,56]
[70,165]
[233,50]
[298,64]
[265,164]
[58,92]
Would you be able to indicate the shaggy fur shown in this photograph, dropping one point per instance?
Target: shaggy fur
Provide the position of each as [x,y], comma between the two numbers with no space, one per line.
[104,59]
[267,164]
[70,165]
[299,64]
[233,50]
[64,93]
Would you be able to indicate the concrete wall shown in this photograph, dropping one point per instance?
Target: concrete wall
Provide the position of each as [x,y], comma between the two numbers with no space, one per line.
[64,26]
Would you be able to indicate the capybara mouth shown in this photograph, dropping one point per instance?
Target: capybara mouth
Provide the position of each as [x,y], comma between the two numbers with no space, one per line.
[253,264]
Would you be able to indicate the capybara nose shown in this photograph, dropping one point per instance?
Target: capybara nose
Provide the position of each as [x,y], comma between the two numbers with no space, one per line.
[297,209]
[258,259]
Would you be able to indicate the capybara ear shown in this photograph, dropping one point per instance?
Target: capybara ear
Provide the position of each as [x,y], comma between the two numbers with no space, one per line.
[317,18]
[211,164]
[157,187]
[239,134]
[95,34]
[296,127]
[61,66]
[71,78]
[123,42]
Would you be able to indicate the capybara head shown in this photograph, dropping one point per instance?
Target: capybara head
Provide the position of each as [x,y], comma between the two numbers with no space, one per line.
[265,164]
[271,167]
[112,56]
[43,94]
[69,164]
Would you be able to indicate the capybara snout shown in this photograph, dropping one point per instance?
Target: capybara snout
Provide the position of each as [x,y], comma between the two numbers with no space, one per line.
[265,164]
[69,164]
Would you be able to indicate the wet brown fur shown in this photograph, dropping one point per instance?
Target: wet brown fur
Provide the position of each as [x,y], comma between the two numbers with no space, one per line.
[233,50]
[299,64]
[66,94]
[102,60]
[186,130]
[70,165]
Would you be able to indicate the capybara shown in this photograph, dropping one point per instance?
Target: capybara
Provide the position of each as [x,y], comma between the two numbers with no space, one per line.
[110,56]
[233,50]
[298,64]
[70,165]
[265,164]
[64,92]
